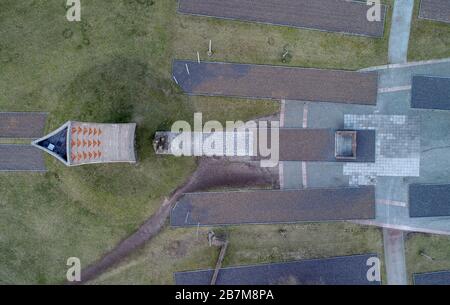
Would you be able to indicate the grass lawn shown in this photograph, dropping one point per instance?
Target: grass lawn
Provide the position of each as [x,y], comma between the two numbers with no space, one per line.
[244,42]
[429,39]
[426,253]
[180,249]
[114,66]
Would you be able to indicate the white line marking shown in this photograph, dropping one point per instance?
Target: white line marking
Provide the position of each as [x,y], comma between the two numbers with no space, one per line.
[304,176]
[408,64]
[281,173]
[392,202]
[394,89]
[282,110]
[175,79]
[187,69]
[305,116]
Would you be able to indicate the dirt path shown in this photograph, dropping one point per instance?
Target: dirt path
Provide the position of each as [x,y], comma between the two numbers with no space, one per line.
[211,173]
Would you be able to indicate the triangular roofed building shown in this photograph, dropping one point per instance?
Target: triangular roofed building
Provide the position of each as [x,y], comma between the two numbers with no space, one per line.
[78,143]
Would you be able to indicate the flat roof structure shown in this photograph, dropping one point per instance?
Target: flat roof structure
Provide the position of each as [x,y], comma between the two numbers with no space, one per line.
[431,92]
[344,270]
[429,200]
[15,158]
[297,144]
[29,125]
[276,82]
[326,15]
[438,10]
[274,206]
[77,143]
[432,278]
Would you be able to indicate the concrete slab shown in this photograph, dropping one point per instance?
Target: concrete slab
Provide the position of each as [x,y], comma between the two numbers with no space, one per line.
[400,29]
[394,257]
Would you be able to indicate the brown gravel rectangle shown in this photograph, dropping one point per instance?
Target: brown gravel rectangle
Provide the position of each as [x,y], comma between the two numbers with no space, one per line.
[276,82]
[326,15]
[274,206]
[29,125]
[438,10]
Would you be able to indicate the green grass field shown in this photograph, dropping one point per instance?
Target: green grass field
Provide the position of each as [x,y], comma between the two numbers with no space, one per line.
[182,249]
[246,42]
[429,39]
[114,66]
[426,253]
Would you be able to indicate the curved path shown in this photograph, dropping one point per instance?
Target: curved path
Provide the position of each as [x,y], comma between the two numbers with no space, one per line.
[210,173]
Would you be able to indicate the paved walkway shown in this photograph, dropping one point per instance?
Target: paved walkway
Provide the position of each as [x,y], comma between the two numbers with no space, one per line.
[400,29]
[394,257]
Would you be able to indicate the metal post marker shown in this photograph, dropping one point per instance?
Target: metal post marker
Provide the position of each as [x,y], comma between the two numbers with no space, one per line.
[210,48]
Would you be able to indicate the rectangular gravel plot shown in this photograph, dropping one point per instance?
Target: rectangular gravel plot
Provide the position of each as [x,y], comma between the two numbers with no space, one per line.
[326,15]
[344,270]
[431,92]
[29,125]
[21,158]
[276,82]
[274,206]
[429,200]
[438,10]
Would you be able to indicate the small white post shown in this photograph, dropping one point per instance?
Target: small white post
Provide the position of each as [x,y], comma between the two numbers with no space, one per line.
[198,57]
[210,48]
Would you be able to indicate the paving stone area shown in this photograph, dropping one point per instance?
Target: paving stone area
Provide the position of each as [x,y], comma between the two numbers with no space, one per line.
[397,147]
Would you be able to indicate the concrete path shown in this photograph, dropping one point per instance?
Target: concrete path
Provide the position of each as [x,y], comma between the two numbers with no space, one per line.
[400,29]
[394,257]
